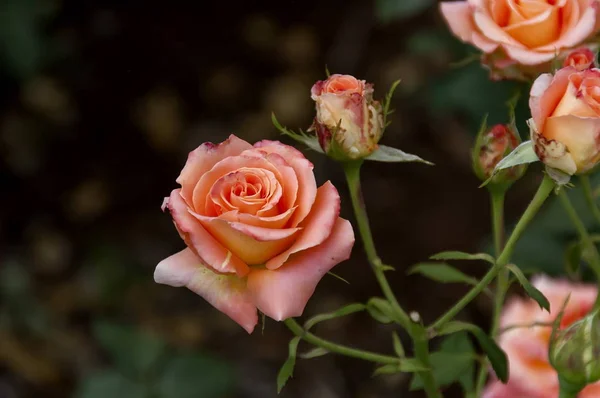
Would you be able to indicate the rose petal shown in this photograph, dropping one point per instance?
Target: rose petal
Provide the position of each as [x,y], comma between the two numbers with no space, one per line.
[578,33]
[307,185]
[459,16]
[525,56]
[283,293]
[254,245]
[210,251]
[316,227]
[228,294]
[490,29]
[591,391]
[534,32]
[546,93]
[498,390]
[203,159]
[579,134]
[276,222]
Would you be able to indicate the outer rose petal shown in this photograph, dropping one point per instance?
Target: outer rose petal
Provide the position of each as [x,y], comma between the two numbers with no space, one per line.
[283,293]
[528,57]
[546,93]
[550,152]
[203,158]
[228,294]
[580,135]
[203,243]
[591,391]
[317,226]
[581,31]
[498,390]
[459,16]
[307,185]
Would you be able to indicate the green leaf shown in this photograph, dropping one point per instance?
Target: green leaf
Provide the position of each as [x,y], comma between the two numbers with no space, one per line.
[522,154]
[388,101]
[531,291]
[406,365]
[388,154]
[133,352]
[346,310]
[398,349]
[314,353]
[443,273]
[287,369]
[456,255]
[389,10]
[310,141]
[454,362]
[109,383]
[380,310]
[192,376]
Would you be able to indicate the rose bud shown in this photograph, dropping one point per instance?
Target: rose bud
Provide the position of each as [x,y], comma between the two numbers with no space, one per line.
[574,352]
[565,124]
[349,123]
[581,59]
[259,233]
[491,146]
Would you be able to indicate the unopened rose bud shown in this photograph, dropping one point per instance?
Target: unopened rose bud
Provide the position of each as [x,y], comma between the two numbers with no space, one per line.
[581,59]
[574,352]
[565,124]
[348,123]
[491,146]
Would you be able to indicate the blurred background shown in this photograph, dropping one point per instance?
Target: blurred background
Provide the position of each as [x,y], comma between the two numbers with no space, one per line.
[100,103]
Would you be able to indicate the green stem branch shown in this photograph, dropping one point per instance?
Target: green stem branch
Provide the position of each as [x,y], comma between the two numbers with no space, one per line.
[416,331]
[338,348]
[589,196]
[538,200]
[592,251]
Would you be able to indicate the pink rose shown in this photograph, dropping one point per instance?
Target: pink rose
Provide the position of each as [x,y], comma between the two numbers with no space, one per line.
[349,123]
[581,59]
[526,32]
[259,233]
[531,375]
[565,124]
[492,145]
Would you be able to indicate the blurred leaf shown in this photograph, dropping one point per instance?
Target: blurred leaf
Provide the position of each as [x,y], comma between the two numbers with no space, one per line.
[109,384]
[346,310]
[523,154]
[314,353]
[310,141]
[398,349]
[442,272]
[456,255]
[389,10]
[287,369]
[532,291]
[133,352]
[380,310]
[454,362]
[194,376]
[391,155]
[406,365]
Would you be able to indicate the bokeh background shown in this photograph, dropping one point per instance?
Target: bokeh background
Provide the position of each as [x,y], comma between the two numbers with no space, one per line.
[101,101]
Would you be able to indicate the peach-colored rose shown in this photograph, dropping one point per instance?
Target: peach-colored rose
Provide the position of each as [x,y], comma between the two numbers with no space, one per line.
[531,375]
[259,233]
[581,59]
[565,124]
[526,32]
[347,116]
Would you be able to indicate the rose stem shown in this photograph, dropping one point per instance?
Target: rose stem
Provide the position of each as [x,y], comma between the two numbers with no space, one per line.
[497,203]
[416,331]
[538,200]
[589,196]
[585,238]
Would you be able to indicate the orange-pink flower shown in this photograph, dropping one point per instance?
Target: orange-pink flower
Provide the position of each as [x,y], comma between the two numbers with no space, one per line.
[565,125]
[259,233]
[531,375]
[581,59]
[526,32]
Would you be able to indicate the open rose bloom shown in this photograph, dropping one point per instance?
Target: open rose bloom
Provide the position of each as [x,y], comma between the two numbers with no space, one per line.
[259,233]
[522,35]
[347,116]
[531,375]
[565,125]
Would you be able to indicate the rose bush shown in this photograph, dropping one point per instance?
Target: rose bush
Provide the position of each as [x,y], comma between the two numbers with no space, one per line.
[531,32]
[531,375]
[348,120]
[259,233]
[565,124]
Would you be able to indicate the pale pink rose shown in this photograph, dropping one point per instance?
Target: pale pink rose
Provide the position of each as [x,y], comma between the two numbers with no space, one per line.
[525,32]
[347,116]
[531,375]
[565,124]
[259,233]
[581,59]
